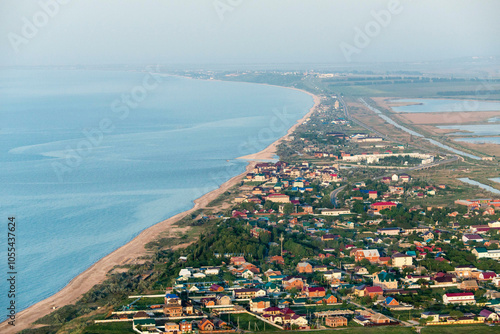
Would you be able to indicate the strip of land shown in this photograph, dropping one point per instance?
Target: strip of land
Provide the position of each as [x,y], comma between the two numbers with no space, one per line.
[270,151]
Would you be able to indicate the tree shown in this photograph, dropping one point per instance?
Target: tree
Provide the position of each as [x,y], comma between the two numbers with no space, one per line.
[288,209]
[456,314]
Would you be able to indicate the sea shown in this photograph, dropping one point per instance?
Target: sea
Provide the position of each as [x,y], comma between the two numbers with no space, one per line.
[89,159]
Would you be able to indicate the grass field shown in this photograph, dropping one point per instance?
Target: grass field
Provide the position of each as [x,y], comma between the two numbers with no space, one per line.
[319,308]
[428,89]
[109,328]
[363,330]
[144,303]
[245,320]
[483,329]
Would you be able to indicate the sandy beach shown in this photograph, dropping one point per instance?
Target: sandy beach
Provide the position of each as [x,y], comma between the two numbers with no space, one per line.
[270,151]
[134,249]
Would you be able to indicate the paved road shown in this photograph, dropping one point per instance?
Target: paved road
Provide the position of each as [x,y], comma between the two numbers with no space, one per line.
[333,195]
[399,171]
[419,167]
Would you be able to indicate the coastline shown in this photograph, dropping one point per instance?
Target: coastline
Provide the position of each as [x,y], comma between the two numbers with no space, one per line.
[270,151]
[134,249]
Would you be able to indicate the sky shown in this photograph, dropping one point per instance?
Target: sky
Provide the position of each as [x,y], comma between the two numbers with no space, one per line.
[89,32]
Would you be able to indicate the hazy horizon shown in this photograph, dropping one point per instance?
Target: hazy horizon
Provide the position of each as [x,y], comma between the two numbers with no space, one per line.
[57,32]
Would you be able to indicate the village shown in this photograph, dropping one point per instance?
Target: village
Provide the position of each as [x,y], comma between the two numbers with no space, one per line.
[338,234]
[320,258]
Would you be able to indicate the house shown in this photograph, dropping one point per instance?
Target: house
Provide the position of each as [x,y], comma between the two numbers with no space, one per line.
[378,206]
[434,317]
[171,298]
[361,270]
[327,237]
[247,274]
[470,284]
[489,315]
[206,325]
[258,305]
[185,272]
[330,299]
[389,231]
[248,293]
[291,282]
[472,238]
[372,194]
[336,321]
[216,288]
[401,260]
[379,318]
[140,315]
[390,301]
[223,300]
[185,326]
[237,260]
[459,298]
[187,307]
[404,178]
[171,327]
[487,276]
[212,271]
[298,320]
[172,310]
[482,252]
[373,291]
[385,280]
[371,255]
[276,259]
[313,292]
[304,267]
[361,320]
[278,198]
[465,271]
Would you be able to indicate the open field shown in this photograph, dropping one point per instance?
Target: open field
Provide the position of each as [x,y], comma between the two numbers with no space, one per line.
[245,320]
[415,90]
[485,148]
[483,329]
[366,330]
[448,118]
[109,328]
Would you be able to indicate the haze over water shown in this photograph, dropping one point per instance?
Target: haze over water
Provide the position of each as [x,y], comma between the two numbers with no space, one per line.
[180,142]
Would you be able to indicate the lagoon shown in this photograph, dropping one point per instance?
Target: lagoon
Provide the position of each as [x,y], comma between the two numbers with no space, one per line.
[444,105]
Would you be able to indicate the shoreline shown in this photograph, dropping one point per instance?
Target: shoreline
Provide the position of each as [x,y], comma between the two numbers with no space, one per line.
[132,250]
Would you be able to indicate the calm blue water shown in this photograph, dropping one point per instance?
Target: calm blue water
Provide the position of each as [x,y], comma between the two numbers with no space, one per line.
[481,140]
[84,173]
[404,128]
[480,185]
[475,130]
[442,105]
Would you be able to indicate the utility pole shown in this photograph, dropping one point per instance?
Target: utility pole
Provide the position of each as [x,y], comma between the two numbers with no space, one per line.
[281,239]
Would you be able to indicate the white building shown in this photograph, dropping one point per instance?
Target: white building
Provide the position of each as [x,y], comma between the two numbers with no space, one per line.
[401,260]
[335,212]
[459,298]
